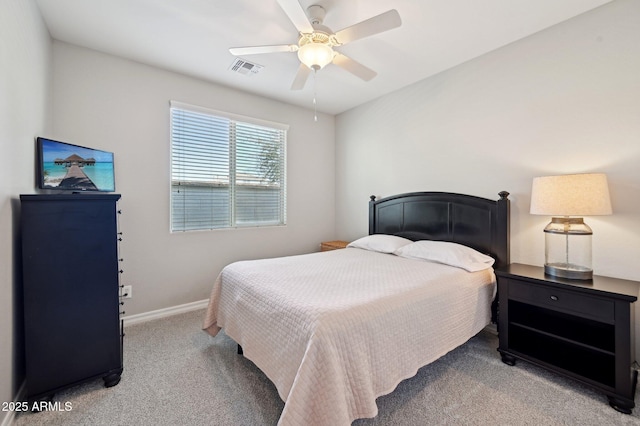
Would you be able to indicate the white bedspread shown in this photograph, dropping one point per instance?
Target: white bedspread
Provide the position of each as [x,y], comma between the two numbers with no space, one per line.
[335,330]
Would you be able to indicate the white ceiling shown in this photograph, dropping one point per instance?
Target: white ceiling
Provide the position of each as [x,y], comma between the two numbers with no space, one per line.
[192,37]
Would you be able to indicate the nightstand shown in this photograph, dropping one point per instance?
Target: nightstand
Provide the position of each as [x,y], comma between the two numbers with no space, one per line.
[580,329]
[333,245]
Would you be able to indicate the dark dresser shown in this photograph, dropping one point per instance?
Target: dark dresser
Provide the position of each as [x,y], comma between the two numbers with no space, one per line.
[73,331]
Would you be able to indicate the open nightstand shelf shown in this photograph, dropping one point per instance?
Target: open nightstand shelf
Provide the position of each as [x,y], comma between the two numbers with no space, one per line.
[581,329]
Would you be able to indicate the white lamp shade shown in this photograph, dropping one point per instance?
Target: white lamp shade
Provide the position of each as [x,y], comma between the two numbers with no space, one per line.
[315,55]
[571,195]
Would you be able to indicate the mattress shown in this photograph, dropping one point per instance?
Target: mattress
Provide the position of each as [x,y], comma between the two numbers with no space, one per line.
[335,330]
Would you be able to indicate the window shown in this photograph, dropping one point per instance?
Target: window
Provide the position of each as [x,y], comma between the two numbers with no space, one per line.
[226,170]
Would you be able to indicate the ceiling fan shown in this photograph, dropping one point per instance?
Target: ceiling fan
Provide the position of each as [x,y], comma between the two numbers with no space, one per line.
[316,42]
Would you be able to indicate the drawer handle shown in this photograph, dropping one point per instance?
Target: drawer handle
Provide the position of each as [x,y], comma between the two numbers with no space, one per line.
[554,297]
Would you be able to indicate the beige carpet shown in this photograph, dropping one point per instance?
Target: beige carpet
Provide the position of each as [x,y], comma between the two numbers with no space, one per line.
[175,374]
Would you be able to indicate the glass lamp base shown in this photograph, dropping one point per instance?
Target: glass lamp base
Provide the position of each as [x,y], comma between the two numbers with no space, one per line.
[568,248]
[567,270]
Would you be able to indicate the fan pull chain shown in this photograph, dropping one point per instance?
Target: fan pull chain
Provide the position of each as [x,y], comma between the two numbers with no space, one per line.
[315,108]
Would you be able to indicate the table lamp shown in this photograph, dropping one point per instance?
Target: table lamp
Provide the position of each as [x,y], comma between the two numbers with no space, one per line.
[567,238]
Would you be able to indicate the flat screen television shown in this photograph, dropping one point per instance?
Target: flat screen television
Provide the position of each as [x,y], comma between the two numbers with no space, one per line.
[67,167]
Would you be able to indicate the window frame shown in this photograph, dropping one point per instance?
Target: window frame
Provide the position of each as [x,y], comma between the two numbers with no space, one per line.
[233,199]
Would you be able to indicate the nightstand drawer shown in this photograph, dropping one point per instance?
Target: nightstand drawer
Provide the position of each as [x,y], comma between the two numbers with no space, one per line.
[561,300]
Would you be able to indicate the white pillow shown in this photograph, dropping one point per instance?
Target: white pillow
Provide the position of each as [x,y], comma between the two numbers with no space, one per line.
[380,242]
[448,253]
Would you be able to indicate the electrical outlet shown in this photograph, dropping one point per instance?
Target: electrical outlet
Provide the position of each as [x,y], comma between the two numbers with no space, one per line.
[126,291]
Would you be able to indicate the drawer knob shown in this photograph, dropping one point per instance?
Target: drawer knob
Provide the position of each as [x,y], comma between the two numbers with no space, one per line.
[554,297]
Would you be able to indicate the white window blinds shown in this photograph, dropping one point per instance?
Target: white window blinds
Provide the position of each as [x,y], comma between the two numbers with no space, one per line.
[226,170]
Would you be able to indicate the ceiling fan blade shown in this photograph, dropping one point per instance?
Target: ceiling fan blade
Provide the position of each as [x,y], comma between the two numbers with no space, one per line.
[355,68]
[256,50]
[378,24]
[301,77]
[297,15]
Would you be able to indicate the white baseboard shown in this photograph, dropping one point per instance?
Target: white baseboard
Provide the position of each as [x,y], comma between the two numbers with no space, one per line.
[162,313]
[11,415]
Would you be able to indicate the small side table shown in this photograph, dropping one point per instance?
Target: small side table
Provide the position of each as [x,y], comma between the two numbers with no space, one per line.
[333,245]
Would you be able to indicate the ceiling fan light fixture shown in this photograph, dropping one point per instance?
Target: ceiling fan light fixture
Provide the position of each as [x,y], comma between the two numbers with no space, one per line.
[315,55]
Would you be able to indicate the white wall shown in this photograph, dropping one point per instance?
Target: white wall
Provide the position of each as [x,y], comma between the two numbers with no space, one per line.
[25,65]
[117,105]
[565,100]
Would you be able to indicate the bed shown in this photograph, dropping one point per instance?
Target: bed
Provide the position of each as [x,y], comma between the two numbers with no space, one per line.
[335,330]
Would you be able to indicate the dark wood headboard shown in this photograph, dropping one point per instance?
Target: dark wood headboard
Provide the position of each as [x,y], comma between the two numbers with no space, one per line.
[476,222]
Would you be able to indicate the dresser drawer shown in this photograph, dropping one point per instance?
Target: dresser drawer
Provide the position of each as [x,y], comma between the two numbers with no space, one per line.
[567,301]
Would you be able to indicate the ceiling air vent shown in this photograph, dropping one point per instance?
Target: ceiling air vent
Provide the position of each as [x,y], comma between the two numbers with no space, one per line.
[245,68]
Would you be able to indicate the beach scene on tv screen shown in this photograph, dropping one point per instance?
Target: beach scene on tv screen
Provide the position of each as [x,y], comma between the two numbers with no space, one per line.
[76,168]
